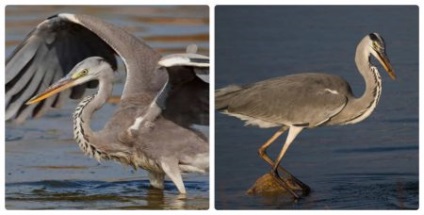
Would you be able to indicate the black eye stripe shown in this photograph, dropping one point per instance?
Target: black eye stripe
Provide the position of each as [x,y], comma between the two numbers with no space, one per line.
[377,39]
[374,37]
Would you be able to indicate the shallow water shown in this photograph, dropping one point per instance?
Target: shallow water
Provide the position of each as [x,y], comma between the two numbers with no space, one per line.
[75,194]
[45,169]
[371,165]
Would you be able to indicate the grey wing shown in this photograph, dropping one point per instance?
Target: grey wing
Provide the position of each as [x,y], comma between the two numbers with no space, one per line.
[183,100]
[185,97]
[46,55]
[305,100]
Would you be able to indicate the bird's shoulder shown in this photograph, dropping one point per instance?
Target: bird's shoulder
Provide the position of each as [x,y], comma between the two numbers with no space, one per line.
[127,111]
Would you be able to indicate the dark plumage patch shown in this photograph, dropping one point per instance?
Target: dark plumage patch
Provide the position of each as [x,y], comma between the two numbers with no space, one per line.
[82,131]
[199,60]
[305,124]
[53,16]
[376,37]
[373,37]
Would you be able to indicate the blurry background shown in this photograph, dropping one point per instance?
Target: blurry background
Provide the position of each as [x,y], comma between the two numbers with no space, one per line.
[370,165]
[45,168]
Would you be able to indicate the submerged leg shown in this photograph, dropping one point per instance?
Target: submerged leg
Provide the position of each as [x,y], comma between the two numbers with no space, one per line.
[171,169]
[156,179]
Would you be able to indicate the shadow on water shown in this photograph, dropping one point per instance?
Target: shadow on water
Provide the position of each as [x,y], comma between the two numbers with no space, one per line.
[75,194]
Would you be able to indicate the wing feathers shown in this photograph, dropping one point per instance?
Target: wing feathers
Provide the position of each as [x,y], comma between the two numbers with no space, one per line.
[49,51]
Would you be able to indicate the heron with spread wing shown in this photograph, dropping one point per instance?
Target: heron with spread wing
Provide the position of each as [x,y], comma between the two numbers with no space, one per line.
[306,100]
[162,99]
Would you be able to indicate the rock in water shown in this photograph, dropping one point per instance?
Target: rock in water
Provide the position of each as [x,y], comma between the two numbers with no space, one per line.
[267,185]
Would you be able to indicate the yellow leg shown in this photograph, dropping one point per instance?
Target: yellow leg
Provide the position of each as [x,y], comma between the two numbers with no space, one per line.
[293,132]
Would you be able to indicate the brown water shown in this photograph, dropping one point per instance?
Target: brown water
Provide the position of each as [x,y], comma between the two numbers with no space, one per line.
[45,168]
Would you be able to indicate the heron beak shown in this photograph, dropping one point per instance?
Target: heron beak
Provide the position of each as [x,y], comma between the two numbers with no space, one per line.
[59,86]
[384,60]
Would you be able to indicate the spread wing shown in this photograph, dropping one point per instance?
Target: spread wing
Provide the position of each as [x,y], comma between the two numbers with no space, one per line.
[185,98]
[49,51]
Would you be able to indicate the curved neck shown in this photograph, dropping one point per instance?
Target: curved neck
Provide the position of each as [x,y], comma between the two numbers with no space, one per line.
[368,71]
[83,133]
[360,108]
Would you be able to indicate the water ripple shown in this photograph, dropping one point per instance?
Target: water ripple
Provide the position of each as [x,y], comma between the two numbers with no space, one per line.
[378,149]
[85,194]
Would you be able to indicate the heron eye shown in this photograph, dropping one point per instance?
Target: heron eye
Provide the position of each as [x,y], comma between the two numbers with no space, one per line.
[84,72]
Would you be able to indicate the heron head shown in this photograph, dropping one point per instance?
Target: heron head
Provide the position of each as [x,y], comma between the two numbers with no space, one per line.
[89,69]
[378,50]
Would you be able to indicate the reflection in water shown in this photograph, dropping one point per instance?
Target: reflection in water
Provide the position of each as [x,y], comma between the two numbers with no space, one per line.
[65,194]
[53,173]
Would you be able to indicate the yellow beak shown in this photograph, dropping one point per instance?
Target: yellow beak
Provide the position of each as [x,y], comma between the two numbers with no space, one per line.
[53,89]
[384,60]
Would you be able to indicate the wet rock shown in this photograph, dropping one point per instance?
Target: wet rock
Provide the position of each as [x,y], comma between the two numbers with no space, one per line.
[267,185]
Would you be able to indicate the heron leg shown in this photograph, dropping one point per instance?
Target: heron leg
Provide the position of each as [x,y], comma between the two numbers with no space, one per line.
[293,132]
[262,151]
[156,179]
[172,170]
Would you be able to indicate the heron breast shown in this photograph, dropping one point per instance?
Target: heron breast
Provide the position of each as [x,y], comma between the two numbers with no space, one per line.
[144,162]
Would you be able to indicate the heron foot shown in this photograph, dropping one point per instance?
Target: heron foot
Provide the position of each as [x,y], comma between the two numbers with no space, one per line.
[305,188]
[284,184]
[293,180]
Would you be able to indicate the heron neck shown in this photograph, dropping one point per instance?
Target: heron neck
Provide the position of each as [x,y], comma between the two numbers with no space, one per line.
[83,133]
[363,106]
[368,71]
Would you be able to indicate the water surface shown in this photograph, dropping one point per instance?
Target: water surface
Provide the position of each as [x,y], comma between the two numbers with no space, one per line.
[370,165]
[45,169]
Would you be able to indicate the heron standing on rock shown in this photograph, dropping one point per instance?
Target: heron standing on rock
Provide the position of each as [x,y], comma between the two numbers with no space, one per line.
[306,100]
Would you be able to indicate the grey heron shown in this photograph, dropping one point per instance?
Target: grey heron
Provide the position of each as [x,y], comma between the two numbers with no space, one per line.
[166,92]
[306,100]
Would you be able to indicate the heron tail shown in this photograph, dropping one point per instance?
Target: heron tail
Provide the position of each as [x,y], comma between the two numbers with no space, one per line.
[224,95]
